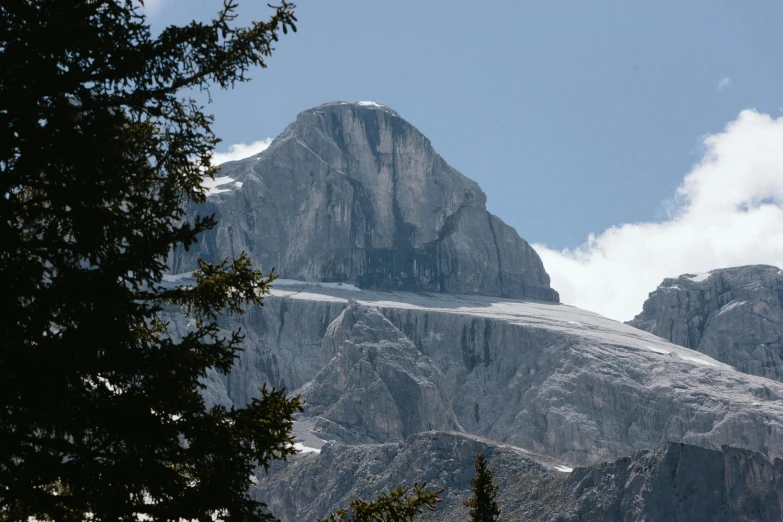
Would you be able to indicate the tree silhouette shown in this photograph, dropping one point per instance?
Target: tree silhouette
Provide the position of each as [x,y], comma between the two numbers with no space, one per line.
[101,416]
[483,507]
[101,149]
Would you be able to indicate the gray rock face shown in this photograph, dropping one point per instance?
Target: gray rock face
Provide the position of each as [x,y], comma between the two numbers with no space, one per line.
[377,387]
[674,483]
[680,483]
[546,377]
[734,315]
[352,192]
[283,348]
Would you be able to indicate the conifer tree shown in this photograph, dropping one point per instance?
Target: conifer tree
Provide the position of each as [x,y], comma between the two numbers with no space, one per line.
[483,507]
[101,148]
[400,504]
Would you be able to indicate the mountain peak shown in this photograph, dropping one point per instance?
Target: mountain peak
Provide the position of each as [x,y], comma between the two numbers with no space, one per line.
[351,192]
[357,105]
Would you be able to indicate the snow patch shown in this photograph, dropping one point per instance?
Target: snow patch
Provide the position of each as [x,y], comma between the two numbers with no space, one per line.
[213,185]
[370,104]
[564,469]
[698,278]
[730,306]
[658,350]
[530,313]
[575,323]
[305,449]
[175,278]
[697,361]
[209,183]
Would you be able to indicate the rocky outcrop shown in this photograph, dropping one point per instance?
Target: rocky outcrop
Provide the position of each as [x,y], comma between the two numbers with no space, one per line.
[678,483]
[377,387]
[674,483]
[545,377]
[283,347]
[734,315]
[352,192]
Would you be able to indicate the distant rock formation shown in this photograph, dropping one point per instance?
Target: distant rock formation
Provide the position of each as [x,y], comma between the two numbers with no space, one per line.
[734,315]
[352,192]
[674,483]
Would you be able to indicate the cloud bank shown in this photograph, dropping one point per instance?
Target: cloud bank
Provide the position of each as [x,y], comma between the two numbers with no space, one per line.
[728,211]
[240,151]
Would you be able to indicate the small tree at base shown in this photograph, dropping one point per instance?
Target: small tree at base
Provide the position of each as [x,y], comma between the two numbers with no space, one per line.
[483,507]
[399,505]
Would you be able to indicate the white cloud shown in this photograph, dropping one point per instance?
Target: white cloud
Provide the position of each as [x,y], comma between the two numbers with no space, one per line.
[724,83]
[728,211]
[240,151]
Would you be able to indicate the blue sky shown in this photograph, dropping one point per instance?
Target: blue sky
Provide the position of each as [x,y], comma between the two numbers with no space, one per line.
[574,117]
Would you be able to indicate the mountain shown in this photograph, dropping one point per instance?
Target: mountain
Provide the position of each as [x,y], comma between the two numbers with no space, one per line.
[734,315]
[353,193]
[673,483]
[546,377]
[420,329]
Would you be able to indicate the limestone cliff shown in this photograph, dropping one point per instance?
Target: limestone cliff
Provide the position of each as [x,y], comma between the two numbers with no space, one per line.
[352,192]
[542,376]
[377,386]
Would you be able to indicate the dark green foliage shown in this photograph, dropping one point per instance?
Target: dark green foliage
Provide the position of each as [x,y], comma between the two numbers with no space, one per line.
[101,416]
[483,507]
[395,506]
[100,410]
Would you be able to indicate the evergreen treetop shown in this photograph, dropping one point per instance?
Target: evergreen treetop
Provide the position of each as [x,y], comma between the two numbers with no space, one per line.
[400,504]
[483,507]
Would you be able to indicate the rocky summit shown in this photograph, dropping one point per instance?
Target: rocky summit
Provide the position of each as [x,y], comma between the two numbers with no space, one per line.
[734,315]
[352,192]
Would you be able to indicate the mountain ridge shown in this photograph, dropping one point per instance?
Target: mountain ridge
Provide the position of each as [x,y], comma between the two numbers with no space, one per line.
[547,377]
